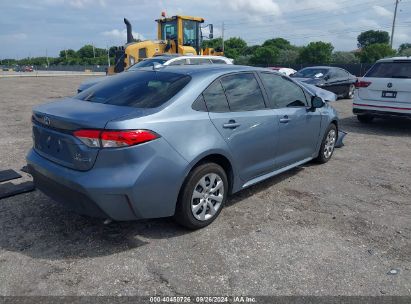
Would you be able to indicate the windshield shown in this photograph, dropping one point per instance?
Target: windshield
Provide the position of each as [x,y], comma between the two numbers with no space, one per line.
[399,69]
[311,73]
[169,30]
[147,63]
[190,33]
[140,89]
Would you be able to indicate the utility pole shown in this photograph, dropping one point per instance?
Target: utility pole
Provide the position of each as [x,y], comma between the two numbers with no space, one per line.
[108,56]
[222,34]
[65,51]
[47,59]
[94,51]
[393,21]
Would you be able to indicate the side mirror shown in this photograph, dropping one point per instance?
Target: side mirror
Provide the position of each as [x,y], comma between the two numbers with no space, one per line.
[317,102]
[211,30]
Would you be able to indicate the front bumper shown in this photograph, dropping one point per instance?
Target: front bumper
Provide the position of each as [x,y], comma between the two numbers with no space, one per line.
[122,185]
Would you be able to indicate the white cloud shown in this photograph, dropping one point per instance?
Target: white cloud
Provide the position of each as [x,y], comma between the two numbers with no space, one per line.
[15,36]
[255,7]
[121,34]
[381,11]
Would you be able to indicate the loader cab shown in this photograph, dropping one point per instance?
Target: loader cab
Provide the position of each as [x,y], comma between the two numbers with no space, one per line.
[182,33]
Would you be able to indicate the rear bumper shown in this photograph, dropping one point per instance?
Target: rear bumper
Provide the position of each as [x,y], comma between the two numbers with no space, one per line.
[119,188]
[380,108]
[380,113]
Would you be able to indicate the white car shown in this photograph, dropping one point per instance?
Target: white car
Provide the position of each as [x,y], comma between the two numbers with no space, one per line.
[284,71]
[385,90]
[167,59]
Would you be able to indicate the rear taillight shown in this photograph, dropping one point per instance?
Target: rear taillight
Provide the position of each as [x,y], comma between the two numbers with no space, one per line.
[114,139]
[362,84]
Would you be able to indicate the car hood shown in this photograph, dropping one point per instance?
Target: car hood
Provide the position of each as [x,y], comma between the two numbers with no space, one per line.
[90,82]
[314,90]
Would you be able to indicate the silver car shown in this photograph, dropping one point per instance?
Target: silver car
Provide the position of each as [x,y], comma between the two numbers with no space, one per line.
[176,141]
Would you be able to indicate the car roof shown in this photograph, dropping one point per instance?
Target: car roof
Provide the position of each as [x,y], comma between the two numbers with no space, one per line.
[392,59]
[319,67]
[207,69]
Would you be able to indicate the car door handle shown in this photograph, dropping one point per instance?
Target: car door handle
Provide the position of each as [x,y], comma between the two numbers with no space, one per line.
[285,119]
[232,124]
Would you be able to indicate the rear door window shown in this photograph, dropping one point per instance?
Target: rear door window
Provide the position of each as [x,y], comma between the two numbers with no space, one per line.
[197,61]
[282,92]
[139,89]
[179,62]
[218,61]
[215,98]
[243,92]
[398,69]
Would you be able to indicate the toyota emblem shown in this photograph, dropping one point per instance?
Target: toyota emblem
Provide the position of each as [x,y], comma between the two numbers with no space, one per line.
[46,120]
[389,85]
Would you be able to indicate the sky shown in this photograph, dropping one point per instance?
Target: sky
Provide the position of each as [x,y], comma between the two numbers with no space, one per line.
[33,27]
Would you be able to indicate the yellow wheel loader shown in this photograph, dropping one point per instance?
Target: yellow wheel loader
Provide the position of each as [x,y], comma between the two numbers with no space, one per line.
[176,35]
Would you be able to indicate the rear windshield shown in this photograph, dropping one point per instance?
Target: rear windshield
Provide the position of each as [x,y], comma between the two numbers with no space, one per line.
[139,89]
[399,69]
[311,73]
[147,63]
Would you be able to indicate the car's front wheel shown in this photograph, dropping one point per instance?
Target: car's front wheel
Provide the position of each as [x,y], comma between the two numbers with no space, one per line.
[328,144]
[202,197]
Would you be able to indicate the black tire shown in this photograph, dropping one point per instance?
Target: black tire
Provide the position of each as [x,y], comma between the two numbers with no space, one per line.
[184,214]
[365,118]
[323,157]
[350,92]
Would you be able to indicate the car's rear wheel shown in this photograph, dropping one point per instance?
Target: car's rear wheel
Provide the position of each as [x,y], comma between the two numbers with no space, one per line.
[365,118]
[350,92]
[202,197]
[327,145]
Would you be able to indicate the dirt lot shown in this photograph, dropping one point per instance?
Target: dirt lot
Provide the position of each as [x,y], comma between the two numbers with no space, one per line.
[334,229]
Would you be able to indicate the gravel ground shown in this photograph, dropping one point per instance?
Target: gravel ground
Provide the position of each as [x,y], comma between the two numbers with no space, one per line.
[333,229]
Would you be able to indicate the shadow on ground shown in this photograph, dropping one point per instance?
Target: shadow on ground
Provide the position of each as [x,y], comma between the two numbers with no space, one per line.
[380,126]
[36,226]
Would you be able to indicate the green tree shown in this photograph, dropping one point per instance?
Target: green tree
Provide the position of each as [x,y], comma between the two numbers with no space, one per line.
[316,52]
[69,52]
[250,50]
[373,52]
[344,57]
[279,43]
[243,60]
[406,52]
[287,57]
[216,43]
[265,56]
[234,47]
[403,47]
[86,51]
[372,37]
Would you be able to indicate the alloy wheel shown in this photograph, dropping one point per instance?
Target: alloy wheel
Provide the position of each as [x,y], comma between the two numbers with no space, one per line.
[207,197]
[330,143]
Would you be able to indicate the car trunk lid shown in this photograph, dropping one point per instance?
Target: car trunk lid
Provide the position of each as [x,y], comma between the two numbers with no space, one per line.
[54,123]
[386,90]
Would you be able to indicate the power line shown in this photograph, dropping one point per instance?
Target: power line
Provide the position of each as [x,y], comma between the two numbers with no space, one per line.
[314,14]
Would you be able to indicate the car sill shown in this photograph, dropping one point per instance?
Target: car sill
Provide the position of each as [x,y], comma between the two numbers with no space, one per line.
[273,173]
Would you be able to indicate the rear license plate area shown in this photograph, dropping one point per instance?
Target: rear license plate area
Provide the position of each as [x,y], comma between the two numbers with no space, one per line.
[389,94]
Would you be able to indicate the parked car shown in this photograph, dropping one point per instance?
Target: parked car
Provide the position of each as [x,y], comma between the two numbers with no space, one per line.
[175,141]
[284,71]
[172,59]
[385,90]
[28,69]
[333,79]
